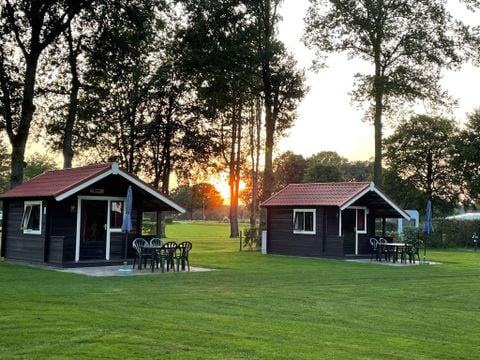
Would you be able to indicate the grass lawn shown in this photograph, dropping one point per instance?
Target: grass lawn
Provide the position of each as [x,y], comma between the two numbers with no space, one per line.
[253,307]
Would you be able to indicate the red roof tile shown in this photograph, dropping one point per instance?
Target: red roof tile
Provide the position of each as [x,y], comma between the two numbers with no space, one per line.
[56,182]
[316,194]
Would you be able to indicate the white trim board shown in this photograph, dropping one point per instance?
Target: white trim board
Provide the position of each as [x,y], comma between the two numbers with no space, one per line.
[115,170]
[379,193]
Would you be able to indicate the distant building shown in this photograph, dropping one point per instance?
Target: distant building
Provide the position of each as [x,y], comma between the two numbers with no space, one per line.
[326,219]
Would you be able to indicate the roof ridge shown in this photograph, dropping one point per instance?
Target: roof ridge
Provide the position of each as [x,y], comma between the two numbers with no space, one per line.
[331,193]
[332,183]
[102,168]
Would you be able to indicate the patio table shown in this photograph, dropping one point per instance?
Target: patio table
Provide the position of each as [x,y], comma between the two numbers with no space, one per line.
[395,247]
[147,249]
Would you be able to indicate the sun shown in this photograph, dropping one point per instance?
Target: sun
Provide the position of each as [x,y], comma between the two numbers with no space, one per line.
[221,184]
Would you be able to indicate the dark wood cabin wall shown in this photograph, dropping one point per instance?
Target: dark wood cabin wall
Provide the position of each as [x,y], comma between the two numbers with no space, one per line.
[117,241]
[3,239]
[20,246]
[283,241]
[363,244]
[55,250]
[333,243]
[64,223]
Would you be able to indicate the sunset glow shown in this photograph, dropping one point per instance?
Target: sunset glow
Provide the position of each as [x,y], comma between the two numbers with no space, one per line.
[221,184]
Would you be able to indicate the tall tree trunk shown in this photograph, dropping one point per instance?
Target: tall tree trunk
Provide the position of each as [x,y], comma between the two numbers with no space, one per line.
[269,17]
[379,88]
[19,140]
[237,171]
[429,175]
[267,185]
[233,213]
[377,124]
[67,145]
[255,131]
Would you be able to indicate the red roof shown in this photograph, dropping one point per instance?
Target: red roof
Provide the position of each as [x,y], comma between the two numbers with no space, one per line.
[56,182]
[316,194]
[61,184]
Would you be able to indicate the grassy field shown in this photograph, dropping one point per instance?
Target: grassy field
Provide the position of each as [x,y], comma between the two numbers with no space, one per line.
[252,307]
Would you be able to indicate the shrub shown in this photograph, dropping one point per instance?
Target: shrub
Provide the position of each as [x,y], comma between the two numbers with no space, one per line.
[452,233]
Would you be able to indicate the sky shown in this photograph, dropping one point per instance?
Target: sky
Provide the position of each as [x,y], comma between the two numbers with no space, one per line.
[326,118]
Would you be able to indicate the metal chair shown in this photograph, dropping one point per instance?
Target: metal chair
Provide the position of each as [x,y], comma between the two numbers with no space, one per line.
[375,248]
[414,251]
[166,255]
[181,254]
[156,243]
[138,244]
[386,251]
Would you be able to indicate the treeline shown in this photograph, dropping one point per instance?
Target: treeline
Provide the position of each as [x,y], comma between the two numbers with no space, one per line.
[426,157]
[161,86]
[192,87]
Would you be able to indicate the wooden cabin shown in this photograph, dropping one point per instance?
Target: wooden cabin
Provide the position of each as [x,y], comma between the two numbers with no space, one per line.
[327,219]
[73,217]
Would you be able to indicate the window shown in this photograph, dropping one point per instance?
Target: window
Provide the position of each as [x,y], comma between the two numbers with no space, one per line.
[149,223]
[32,218]
[116,214]
[304,221]
[362,221]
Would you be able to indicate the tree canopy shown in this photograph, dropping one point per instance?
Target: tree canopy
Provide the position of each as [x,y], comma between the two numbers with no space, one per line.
[420,153]
[408,43]
[466,156]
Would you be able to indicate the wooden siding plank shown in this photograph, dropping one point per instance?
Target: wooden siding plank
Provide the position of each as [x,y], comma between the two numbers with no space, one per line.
[283,241]
[20,246]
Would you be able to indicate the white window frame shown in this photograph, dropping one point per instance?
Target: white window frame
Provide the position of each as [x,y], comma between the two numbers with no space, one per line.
[26,218]
[365,225]
[109,230]
[314,231]
[110,201]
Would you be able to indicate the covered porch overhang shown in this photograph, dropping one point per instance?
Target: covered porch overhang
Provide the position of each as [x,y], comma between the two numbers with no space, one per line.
[362,211]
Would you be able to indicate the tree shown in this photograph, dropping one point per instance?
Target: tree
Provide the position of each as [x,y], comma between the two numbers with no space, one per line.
[466,154]
[62,91]
[288,168]
[27,28]
[219,45]
[281,84]
[255,148]
[37,164]
[408,42]
[4,167]
[358,170]
[118,82]
[201,197]
[419,152]
[325,166]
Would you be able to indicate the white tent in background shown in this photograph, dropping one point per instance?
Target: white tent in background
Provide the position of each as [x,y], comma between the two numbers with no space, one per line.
[466,216]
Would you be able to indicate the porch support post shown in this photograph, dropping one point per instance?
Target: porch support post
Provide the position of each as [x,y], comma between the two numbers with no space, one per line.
[107,230]
[339,222]
[77,240]
[383,226]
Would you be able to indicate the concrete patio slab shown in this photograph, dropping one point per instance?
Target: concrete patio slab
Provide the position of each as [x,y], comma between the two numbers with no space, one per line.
[389,263]
[122,271]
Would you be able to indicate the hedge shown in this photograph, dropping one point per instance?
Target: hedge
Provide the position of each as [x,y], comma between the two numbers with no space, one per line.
[447,233]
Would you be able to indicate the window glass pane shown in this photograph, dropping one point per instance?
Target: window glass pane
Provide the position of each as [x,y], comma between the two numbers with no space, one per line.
[308,221]
[34,220]
[149,223]
[116,214]
[360,220]
[299,221]
[26,216]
